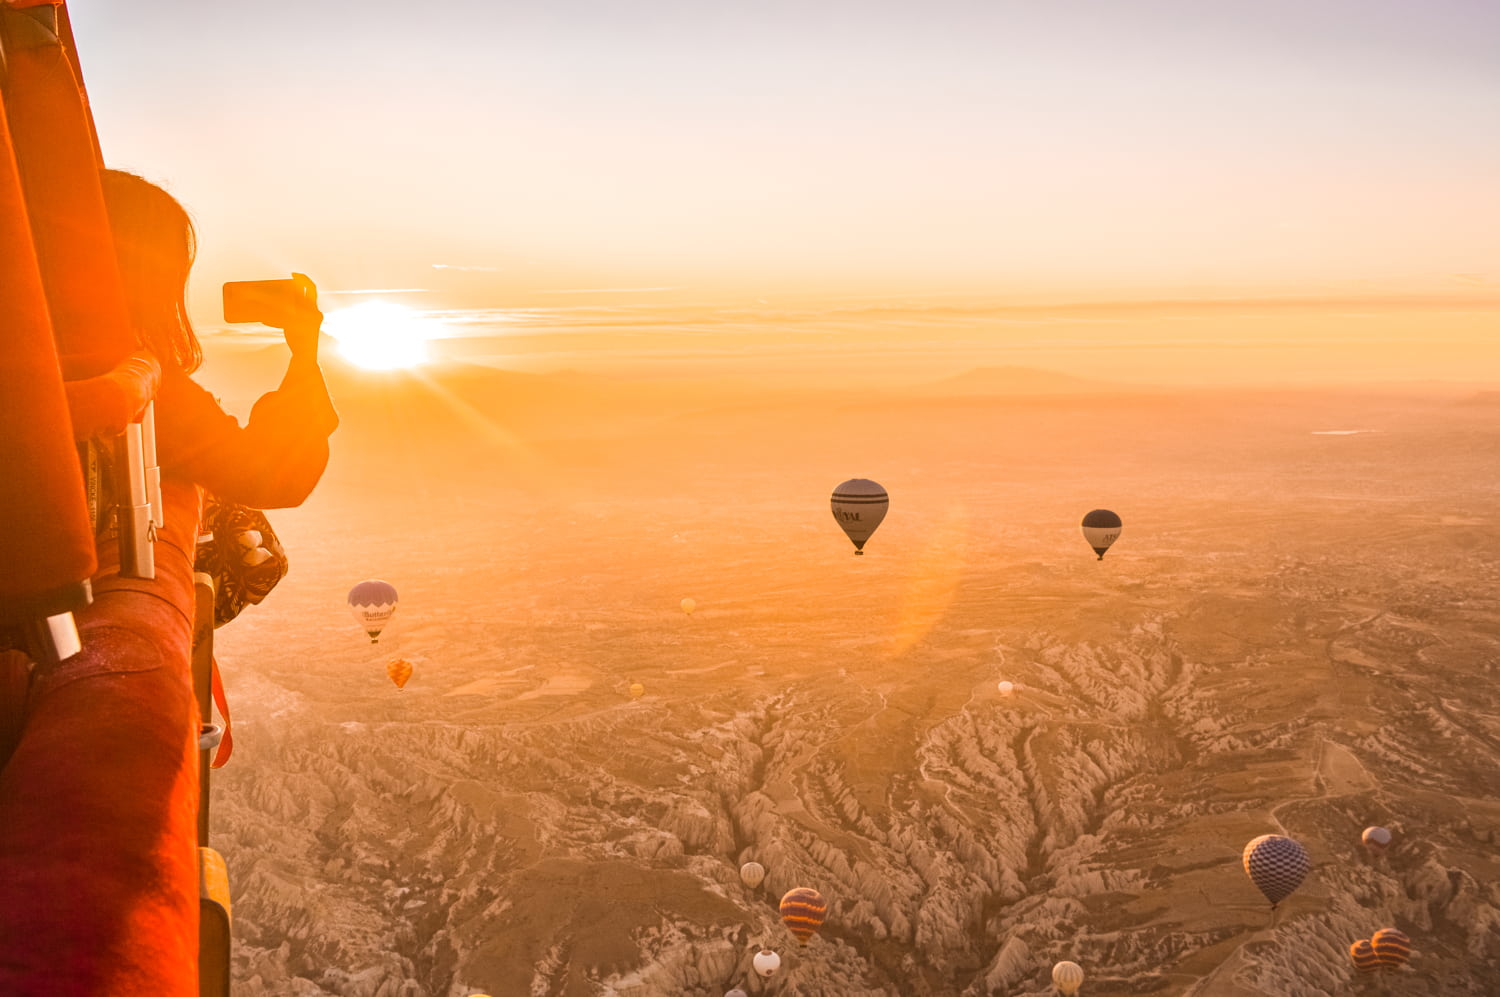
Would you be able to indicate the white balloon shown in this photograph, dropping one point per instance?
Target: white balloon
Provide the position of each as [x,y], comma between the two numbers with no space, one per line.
[859,505]
[752,874]
[1006,688]
[766,962]
[1068,976]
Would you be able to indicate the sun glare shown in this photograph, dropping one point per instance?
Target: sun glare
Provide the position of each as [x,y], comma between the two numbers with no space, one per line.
[381,335]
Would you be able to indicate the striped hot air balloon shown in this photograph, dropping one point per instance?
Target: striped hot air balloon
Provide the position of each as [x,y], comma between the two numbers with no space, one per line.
[1376,840]
[1276,865]
[752,874]
[1101,528]
[1392,948]
[802,911]
[859,505]
[1362,954]
[1068,976]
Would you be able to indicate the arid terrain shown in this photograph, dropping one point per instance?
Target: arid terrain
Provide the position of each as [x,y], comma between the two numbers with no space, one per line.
[1298,633]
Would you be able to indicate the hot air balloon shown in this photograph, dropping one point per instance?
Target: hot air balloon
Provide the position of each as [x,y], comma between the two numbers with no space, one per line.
[766,962]
[752,874]
[1006,688]
[859,505]
[688,605]
[373,603]
[637,690]
[1101,528]
[1276,865]
[1068,976]
[399,670]
[1376,840]
[736,992]
[1362,953]
[1392,948]
[802,911]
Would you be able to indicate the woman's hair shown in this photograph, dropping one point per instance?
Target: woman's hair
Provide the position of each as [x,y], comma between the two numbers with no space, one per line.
[155,246]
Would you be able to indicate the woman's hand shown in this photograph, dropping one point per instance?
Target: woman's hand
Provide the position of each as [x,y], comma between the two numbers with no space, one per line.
[304,324]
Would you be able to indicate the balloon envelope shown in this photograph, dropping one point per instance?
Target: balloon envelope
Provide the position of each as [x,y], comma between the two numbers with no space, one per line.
[1101,528]
[859,505]
[372,603]
[1376,839]
[1276,865]
[1068,976]
[752,874]
[688,605]
[399,671]
[766,962]
[802,911]
[1392,948]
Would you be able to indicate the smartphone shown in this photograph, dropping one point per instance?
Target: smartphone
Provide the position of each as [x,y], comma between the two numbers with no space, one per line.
[270,302]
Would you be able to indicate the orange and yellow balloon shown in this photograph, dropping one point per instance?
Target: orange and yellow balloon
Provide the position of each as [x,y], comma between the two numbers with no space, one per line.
[400,671]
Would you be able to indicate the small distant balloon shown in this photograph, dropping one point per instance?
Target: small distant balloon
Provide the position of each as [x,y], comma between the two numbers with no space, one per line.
[637,690]
[859,505]
[373,603]
[1392,948]
[752,874]
[1276,865]
[735,993]
[802,911]
[1006,688]
[1362,954]
[688,605]
[766,962]
[400,671]
[1101,528]
[1376,840]
[1068,976]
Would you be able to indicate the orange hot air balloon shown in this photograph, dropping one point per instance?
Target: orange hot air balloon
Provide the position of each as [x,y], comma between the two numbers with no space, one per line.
[1392,948]
[400,671]
[1362,954]
[802,911]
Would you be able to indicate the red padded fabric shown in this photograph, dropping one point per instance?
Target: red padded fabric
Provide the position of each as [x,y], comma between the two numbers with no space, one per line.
[105,405]
[47,542]
[98,841]
[53,140]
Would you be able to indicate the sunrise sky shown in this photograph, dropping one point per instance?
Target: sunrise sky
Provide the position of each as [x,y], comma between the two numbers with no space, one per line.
[490,155]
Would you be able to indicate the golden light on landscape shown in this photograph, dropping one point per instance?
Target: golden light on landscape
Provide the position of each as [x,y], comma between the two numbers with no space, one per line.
[382,335]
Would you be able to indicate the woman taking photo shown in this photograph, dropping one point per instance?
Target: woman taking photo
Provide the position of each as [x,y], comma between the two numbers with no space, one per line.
[98,801]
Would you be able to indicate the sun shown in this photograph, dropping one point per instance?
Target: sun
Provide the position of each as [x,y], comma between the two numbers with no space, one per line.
[382,335]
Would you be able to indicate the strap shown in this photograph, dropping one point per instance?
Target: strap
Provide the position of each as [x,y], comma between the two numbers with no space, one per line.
[226,746]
